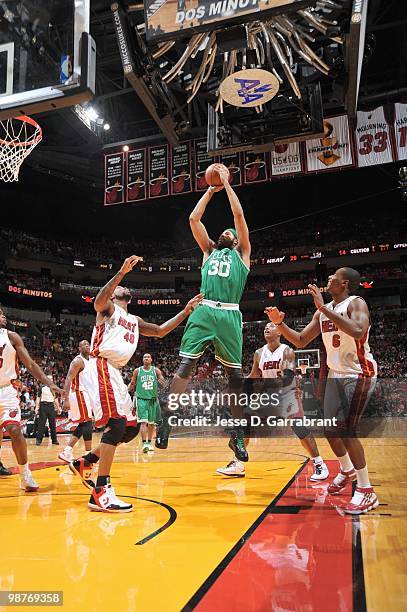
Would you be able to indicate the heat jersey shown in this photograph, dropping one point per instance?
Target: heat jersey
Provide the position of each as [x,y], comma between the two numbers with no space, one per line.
[116,339]
[8,359]
[80,380]
[345,355]
[270,362]
[223,276]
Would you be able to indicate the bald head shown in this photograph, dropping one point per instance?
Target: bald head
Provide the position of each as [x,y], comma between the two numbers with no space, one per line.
[352,276]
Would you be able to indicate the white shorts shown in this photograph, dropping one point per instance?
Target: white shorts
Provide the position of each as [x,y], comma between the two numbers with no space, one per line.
[80,407]
[291,406]
[9,406]
[109,396]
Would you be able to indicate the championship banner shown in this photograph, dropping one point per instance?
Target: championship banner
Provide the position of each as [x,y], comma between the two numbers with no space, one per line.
[286,159]
[332,151]
[158,171]
[136,175]
[233,161]
[181,173]
[114,179]
[202,161]
[373,143]
[255,167]
[400,127]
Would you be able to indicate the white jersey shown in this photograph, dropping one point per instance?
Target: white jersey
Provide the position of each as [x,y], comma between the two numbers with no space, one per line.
[270,362]
[8,359]
[345,355]
[80,380]
[116,339]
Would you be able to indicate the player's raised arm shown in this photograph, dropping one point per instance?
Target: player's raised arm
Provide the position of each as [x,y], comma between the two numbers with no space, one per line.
[244,246]
[74,369]
[198,229]
[103,301]
[159,331]
[30,364]
[133,382]
[255,371]
[299,339]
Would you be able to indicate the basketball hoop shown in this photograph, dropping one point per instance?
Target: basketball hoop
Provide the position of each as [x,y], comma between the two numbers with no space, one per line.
[18,137]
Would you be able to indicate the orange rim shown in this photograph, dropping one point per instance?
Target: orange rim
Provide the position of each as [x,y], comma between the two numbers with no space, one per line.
[29,143]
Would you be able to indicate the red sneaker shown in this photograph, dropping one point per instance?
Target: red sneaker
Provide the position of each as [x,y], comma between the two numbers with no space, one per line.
[82,468]
[340,481]
[104,499]
[363,500]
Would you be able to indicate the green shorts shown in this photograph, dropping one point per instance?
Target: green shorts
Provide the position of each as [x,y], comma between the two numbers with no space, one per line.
[220,327]
[148,410]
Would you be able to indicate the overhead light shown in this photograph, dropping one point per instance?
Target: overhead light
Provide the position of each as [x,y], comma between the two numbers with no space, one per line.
[106,126]
[92,113]
[126,148]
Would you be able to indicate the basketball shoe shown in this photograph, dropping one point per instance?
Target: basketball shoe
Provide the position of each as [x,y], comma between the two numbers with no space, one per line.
[27,482]
[163,432]
[103,499]
[363,500]
[235,468]
[67,455]
[146,447]
[82,468]
[321,472]
[236,444]
[340,481]
[4,471]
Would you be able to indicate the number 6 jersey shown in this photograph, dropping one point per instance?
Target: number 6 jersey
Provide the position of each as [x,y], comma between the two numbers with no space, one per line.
[116,339]
[346,355]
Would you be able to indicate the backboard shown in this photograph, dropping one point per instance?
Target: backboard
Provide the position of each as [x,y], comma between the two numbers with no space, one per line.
[45,55]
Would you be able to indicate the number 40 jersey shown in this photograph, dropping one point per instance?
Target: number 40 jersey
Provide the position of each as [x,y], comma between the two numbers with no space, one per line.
[116,339]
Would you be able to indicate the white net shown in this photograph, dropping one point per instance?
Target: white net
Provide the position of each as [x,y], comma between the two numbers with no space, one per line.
[18,137]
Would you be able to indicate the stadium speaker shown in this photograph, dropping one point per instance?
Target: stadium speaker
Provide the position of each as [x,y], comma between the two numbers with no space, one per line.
[179,284]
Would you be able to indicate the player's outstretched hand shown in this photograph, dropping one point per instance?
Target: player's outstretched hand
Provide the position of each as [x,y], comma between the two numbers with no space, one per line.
[317,296]
[275,315]
[223,174]
[193,303]
[215,189]
[55,389]
[129,263]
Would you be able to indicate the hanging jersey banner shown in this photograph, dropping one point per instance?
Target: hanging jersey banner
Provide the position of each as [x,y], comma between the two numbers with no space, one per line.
[286,159]
[400,128]
[158,171]
[255,167]
[373,143]
[181,175]
[233,162]
[332,151]
[114,179]
[136,175]
[202,161]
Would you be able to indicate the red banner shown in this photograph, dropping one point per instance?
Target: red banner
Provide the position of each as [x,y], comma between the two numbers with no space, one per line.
[158,171]
[202,161]
[255,167]
[114,179]
[233,161]
[136,175]
[181,168]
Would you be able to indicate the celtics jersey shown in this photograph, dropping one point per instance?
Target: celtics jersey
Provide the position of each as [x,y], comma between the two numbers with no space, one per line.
[223,276]
[147,385]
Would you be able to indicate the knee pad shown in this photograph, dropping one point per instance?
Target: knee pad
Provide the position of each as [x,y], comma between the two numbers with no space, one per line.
[87,430]
[300,431]
[186,367]
[114,431]
[77,433]
[130,433]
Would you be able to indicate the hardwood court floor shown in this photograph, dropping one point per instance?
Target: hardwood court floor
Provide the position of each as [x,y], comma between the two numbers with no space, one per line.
[196,540]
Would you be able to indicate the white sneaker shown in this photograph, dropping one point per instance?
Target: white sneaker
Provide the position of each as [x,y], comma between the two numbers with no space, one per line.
[321,472]
[150,448]
[103,499]
[66,455]
[234,468]
[27,483]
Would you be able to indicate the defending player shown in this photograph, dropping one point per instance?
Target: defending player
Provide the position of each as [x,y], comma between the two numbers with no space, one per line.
[3,470]
[345,325]
[218,320]
[276,360]
[114,341]
[11,350]
[77,402]
[146,379]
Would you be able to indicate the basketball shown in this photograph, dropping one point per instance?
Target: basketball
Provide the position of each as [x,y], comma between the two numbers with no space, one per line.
[212,175]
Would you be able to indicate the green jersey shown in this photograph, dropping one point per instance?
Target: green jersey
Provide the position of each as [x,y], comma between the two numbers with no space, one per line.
[147,384]
[223,276]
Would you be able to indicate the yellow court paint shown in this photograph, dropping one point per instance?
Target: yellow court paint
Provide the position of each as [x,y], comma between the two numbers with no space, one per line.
[51,541]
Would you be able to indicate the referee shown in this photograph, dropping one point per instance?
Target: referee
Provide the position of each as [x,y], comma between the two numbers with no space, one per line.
[46,404]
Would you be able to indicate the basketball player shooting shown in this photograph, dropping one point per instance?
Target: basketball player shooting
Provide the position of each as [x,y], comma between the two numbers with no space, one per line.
[218,320]
[276,361]
[114,341]
[12,349]
[345,325]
